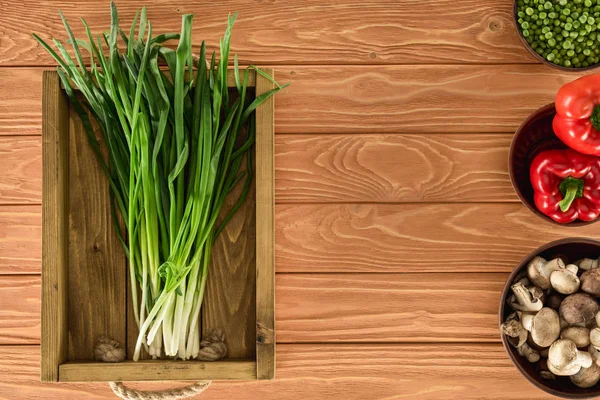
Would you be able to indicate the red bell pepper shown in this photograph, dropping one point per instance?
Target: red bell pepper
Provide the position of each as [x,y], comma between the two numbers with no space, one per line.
[577,120]
[566,185]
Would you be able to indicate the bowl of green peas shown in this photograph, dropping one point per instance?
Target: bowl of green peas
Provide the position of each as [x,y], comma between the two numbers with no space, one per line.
[564,34]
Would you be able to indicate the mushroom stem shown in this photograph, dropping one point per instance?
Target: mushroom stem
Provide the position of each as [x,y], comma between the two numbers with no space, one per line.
[524,300]
[530,354]
[514,329]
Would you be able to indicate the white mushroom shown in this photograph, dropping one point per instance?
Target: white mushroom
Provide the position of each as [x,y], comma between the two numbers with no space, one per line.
[523,300]
[586,377]
[530,354]
[547,375]
[595,338]
[563,323]
[539,270]
[565,280]
[595,353]
[513,328]
[565,359]
[544,326]
[587,264]
[579,335]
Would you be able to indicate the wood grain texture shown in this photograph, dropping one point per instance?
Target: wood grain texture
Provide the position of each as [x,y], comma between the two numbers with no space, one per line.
[410,237]
[359,237]
[231,288]
[55,214]
[21,166]
[20,239]
[392,168]
[20,312]
[300,32]
[329,308]
[157,371]
[377,99]
[337,168]
[97,264]
[21,100]
[384,372]
[388,307]
[265,231]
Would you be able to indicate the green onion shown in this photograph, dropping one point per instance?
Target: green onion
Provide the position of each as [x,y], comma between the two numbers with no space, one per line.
[175,145]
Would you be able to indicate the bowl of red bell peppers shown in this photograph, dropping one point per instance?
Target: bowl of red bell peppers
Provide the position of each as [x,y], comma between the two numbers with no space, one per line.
[555,156]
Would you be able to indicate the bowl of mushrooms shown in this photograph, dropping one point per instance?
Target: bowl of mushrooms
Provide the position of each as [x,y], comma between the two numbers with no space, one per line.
[550,318]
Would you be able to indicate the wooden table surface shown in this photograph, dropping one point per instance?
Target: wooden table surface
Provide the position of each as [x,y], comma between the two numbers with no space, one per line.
[396,224]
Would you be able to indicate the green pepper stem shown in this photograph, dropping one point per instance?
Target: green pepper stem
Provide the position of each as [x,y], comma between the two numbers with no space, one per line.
[595,118]
[571,189]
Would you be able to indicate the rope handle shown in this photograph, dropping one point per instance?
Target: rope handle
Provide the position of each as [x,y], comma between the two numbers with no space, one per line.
[126,393]
[212,348]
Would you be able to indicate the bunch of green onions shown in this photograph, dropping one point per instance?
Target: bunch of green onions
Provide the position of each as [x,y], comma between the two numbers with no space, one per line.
[176,143]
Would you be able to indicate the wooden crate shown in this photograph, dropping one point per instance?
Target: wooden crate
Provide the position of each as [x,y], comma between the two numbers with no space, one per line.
[85,274]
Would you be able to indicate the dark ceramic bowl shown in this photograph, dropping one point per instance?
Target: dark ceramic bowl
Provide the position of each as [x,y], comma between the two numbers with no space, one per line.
[536,55]
[569,250]
[533,136]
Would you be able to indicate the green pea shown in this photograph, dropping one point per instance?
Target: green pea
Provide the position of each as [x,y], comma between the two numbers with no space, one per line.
[534,17]
[574,14]
[574,34]
[591,20]
[567,63]
[548,35]
[552,15]
[587,3]
[550,57]
[590,59]
[562,18]
[585,64]
[587,52]
[543,15]
[570,53]
[565,33]
[565,45]
[546,21]
[568,26]
[576,24]
[562,2]
[589,43]
[548,5]
[539,51]
[545,29]
[557,23]
[588,29]
[562,52]
[529,11]
[525,25]
[583,19]
[580,39]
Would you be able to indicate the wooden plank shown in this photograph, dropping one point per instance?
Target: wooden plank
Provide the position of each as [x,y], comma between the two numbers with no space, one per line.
[230,299]
[392,168]
[337,168]
[54,228]
[21,100]
[337,372]
[21,166]
[375,99]
[265,228]
[332,308]
[360,237]
[20,239]
[388,307]
[410,237]
[97,264]
[157,370]
[307,31]
[20,313]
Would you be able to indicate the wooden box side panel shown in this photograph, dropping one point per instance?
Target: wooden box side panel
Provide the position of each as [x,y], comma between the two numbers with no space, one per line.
[230,299]
[265,252]
[55,135]
[97,269]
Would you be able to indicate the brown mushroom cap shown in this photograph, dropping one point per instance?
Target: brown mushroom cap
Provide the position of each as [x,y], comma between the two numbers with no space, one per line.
[578,308]
[590,282]
[586,377]
[578,335]
[553,301]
